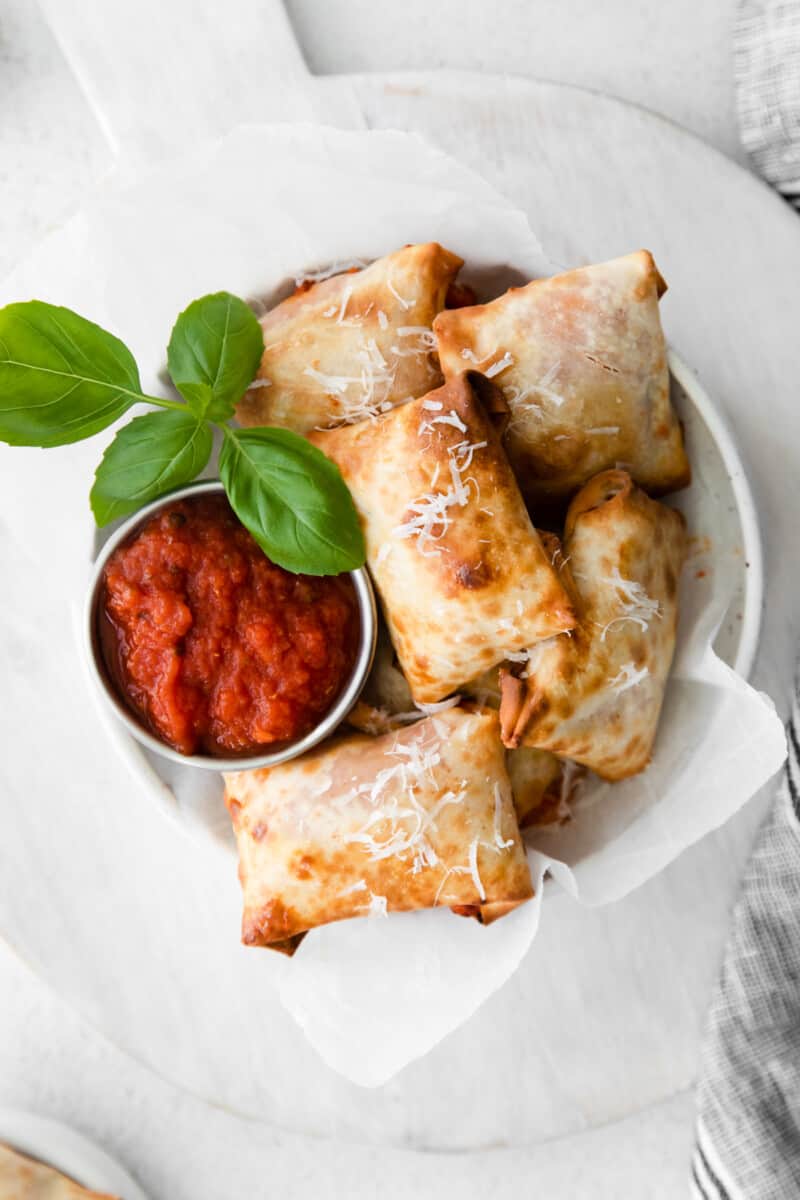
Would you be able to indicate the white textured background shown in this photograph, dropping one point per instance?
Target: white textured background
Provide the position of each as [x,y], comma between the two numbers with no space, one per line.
[673,56]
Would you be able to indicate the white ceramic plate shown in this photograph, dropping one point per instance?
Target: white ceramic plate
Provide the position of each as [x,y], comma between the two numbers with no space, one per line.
[58,1146]
[193,797]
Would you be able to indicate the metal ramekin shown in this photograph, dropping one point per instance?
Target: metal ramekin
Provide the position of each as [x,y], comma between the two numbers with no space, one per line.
[106,689]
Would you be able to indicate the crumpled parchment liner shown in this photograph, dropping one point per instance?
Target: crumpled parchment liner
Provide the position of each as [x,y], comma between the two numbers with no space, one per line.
[246,214]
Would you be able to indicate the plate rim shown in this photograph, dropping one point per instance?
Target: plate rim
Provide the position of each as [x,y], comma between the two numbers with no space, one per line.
[752,547]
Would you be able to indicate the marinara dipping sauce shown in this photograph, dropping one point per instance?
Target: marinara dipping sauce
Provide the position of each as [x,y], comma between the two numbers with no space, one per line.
[214,647]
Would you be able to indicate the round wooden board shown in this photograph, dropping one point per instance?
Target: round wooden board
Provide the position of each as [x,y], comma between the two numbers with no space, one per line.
[605,1014]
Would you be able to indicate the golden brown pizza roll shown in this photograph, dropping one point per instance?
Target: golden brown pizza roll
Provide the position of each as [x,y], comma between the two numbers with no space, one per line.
[414,819]
[582,364]
[23,1178]
[541,784]
[595,695]
[459,567]
[354,345]
[543,787]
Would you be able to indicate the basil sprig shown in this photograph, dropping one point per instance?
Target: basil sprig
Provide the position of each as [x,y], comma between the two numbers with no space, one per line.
[149,455]
[63,378]
[278,481]
[213,354]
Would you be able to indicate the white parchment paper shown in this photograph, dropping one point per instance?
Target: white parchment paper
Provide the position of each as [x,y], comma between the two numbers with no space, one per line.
[246,214]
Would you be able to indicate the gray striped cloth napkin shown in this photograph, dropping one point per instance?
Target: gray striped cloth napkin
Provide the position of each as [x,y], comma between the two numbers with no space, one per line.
[767,71]
[748,1095]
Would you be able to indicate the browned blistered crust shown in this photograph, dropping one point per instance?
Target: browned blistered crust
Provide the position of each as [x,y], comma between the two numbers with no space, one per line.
[330,327]
[299,829]
[573,702]
[457,605]
[587,353]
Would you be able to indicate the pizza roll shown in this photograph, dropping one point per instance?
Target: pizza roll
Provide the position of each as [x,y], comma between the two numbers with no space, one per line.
[543,787]
[595,695]
[24,1178]
[582,364]
[354,345]
[461,571]
[417,818]
[541,784]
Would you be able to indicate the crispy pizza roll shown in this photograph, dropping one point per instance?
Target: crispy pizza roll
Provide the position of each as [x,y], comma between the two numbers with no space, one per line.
[541,784]
[460,569]
[414,819]
[23,1178]
[582,364]
[543,787]
[595,696]
[354,345]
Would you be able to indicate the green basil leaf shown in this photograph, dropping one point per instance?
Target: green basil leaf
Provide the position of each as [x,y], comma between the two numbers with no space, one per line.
[293,500]
[213,354]
[62,378]
[149,456]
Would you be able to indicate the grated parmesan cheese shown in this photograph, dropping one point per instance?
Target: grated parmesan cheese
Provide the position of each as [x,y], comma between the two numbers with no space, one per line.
[506,625]
[473,868]
[517,656]
[364,396]
[422,710]
[335,268]
[377,905]
[430,519]
[336,384]
[536,654]
[409,824]
[417,331]
[346,294]
[627,677]
[498,367]
[439,706]
[634,601]
[451,418]
[425,340]
[358,886]
[466,451]
[498,818]
[406,304]
[523,406]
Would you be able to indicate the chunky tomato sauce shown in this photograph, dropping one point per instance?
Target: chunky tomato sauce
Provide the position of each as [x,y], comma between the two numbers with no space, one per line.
[218,650]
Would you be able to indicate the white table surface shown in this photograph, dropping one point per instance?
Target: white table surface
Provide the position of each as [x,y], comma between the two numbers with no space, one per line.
[51,151]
